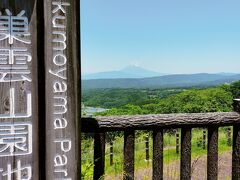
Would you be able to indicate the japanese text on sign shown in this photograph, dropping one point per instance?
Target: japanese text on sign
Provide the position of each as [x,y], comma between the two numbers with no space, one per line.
[15,138]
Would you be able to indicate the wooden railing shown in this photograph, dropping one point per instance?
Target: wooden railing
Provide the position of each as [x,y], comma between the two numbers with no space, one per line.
[157,123]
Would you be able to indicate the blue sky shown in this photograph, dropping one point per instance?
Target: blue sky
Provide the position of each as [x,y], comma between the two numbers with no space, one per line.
[168,36]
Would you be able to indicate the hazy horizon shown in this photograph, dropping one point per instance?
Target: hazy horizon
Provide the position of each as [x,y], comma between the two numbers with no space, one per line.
[174,37]
[156,71]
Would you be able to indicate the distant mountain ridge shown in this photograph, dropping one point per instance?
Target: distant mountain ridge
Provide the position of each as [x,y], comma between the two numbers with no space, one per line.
[166,81]
[127,72]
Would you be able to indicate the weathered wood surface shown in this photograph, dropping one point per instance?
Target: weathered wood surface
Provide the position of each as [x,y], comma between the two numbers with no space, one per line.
[147,147]
[157,162]
[15,104]
[62,89]
[185,168]
[115,123]
[236,145]
[229,136]
[177,142]
[236,105]
[212,156]
[236,153]
[99,155]
[204,138]
[129,143]
[111,153]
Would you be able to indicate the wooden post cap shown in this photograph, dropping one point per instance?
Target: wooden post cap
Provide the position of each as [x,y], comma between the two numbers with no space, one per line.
[236,105]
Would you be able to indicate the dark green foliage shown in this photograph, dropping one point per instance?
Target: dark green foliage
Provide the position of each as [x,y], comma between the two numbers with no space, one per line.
[155,101]
[109,98]
[189,101]
[235,89]
[196,101]
[115,98]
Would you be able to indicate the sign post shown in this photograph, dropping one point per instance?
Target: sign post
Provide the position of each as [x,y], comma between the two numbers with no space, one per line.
[19,118]
[62,89]
[40,90]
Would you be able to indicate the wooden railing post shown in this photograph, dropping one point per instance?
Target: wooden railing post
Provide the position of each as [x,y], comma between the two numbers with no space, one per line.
[186,135]
[212,157]
[147,147]
[229,136]
[236,145]
[128,170]
[177,142]
[236,153]
[157,155]
[204,139]
[111,153]
[99,155]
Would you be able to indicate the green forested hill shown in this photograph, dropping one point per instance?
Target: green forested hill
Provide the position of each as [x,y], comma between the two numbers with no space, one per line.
[191,101]
[115,98]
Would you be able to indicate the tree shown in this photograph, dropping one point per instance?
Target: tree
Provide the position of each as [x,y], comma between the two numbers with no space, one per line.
[235,89]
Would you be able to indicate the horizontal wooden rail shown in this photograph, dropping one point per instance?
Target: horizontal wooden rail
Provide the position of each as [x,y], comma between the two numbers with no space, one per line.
[151,122]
